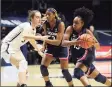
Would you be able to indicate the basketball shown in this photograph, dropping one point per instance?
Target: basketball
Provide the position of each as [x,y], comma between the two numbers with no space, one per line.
[88,41]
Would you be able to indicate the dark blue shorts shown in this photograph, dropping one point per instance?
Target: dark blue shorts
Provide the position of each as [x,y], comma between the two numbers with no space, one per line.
[61,52]
[87,58]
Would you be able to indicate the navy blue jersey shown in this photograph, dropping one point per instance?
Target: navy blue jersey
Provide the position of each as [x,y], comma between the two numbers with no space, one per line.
[52,32]
[39,31]
[79,53]
[56,51]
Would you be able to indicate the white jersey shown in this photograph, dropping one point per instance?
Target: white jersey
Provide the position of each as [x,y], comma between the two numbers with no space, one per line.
[14,40]
[15,37]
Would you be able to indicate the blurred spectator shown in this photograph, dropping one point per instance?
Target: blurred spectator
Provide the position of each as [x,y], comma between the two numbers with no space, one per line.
[92,29]
[32,56]
[94,32]
[3,32]
[62,16]
[42,6]
[39,32]
[43,19]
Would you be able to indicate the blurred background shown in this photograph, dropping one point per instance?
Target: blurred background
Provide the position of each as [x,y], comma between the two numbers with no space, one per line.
[14,12]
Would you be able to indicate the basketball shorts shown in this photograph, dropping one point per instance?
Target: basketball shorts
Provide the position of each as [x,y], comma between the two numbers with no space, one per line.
[7,51]
[61,53]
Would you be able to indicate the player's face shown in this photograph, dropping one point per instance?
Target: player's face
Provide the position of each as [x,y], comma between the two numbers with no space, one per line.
[77,23]
[43,20]
[36,20]
[50,16]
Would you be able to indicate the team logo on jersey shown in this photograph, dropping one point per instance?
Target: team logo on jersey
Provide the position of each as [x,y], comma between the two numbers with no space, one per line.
[73,37]
[52,33]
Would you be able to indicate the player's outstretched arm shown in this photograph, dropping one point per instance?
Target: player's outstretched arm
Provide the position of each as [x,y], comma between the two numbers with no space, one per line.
[35,37]
[33,43]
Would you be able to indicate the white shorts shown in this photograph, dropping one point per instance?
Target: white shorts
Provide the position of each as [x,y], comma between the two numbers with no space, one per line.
[7,51]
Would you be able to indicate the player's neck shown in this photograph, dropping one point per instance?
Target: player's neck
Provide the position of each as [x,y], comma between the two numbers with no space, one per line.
[52,22]
[78,31]
[33,26]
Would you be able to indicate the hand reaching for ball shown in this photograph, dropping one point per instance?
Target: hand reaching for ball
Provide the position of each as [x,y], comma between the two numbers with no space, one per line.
[86,41]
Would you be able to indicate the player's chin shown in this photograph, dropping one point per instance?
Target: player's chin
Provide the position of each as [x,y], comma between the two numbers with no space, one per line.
[38,24]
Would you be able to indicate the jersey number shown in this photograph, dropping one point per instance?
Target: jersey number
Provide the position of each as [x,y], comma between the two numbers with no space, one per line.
[53,37]
[77,47]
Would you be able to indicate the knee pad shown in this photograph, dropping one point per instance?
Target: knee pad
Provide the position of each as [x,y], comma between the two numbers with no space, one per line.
[67,75]
[78,73]
[23,65]
[44,70]
[100,78]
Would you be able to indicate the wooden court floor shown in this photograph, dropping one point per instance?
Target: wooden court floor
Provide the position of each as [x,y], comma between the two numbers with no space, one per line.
[9,76]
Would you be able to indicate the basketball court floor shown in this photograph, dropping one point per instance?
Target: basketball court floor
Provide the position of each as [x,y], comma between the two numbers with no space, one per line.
[9,75]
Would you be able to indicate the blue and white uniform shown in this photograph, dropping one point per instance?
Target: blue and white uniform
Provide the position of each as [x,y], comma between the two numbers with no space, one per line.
[14,40]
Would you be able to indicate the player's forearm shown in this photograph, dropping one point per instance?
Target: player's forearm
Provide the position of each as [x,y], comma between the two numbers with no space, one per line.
[32,37]
[44,45]
[33,43]
[53,42]
[67,43]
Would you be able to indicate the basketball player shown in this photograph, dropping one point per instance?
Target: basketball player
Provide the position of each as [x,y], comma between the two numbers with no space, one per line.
[82,58]
[54,27]
[10,48]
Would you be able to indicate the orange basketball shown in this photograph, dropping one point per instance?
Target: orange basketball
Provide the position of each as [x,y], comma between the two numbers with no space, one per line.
[87,41]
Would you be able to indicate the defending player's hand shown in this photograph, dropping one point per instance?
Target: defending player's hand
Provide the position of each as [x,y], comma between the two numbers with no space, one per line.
[41,53]
[42,49]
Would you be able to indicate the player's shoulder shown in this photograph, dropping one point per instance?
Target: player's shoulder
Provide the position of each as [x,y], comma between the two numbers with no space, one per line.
[25,24]
[69,28]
